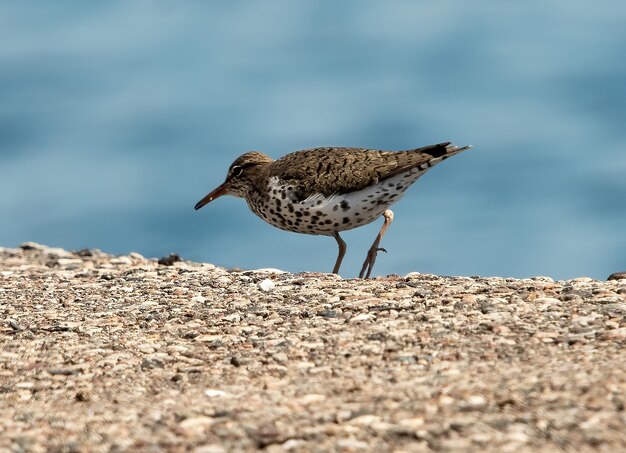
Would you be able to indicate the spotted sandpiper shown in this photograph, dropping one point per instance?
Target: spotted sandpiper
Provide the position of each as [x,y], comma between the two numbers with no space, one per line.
[324,191]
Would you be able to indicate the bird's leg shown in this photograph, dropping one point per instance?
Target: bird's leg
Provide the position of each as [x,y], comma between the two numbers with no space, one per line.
[342,252]
[368,265]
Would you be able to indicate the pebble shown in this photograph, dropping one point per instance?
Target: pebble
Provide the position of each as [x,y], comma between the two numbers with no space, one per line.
[169,260]
[361,317]
[195,423]
[269,270]
[235,317]
[121,260]
[33,246]
[311,399]
[413,423]
[475,402]
[280,357]
[267,285]
[294,444]
[214,393]
[365,420]
[56,253]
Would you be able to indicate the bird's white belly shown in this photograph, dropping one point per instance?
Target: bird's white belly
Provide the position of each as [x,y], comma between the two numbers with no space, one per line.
[322,215]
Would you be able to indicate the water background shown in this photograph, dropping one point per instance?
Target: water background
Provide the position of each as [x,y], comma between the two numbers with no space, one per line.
[117,117]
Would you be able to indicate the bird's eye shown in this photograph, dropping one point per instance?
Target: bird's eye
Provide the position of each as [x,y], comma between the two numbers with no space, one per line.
[237,170]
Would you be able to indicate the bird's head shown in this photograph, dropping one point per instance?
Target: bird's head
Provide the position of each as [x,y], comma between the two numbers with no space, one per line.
[240,177]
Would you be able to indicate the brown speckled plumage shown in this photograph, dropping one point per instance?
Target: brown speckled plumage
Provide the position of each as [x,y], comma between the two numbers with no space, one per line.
[341,170]
[327,190]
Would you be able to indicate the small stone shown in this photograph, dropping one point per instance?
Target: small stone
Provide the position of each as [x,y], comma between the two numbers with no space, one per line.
[414,423]
[266,434]
[214,393]
[280,357]
[151,363]
[235,317]
[361,317]
[328,314]
[14,325]
[365,420]
[615,334]
[267,285]
[83,396]
[547,303]
[235,361]
[169,260]
[518,435]
[223,281]
[541,278]
[311,399]
[84,252]
[194,423]
[270,270]
[56,253]
[122,260]
[617,276]
[474,403]
[294,444]
[31,246]
[70,263]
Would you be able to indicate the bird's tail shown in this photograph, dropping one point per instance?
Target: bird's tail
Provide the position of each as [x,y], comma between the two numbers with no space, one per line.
[424,158]
[443,151]
[440,151]
[451,149]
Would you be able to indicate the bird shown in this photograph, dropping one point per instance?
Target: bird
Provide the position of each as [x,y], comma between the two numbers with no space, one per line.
[328,190]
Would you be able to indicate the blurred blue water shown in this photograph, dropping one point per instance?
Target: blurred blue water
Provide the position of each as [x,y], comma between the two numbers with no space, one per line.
[116,117]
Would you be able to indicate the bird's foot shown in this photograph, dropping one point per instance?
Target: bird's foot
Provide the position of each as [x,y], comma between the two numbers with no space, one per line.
[368,265]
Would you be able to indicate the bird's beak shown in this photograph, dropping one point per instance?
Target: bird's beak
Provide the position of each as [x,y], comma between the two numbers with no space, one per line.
[221,190]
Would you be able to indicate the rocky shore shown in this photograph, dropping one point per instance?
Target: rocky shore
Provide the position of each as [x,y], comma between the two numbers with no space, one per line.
[102,353]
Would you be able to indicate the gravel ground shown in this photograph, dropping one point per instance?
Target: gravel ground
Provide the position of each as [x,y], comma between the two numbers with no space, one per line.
[103,353]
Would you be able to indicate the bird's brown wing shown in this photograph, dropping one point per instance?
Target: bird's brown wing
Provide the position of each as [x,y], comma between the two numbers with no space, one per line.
[330,171]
